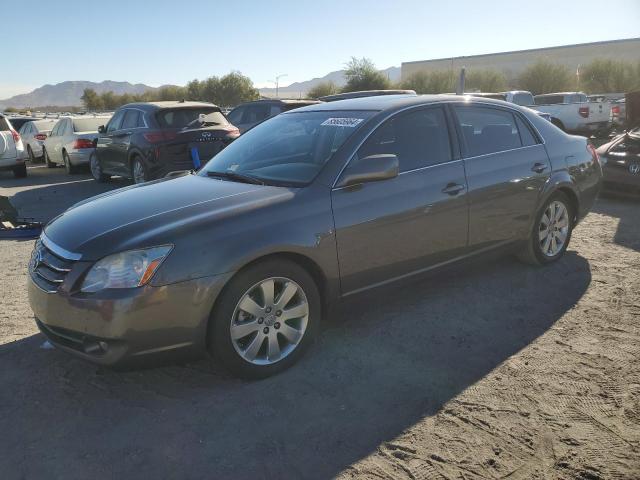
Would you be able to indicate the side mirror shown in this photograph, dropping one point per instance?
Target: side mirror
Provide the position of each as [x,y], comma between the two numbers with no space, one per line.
[101,129]
[373,168]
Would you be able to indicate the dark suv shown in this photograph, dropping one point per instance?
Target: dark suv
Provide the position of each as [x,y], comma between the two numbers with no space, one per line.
[248,115]
[145,141]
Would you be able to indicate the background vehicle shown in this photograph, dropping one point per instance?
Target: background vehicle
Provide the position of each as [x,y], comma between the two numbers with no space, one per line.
[71,142]
[248,115]
[619,112]
[364,93]
[306,208]
[33,135]
[572,112]
[518,97]
[621,163]
[11,149]
[145,141]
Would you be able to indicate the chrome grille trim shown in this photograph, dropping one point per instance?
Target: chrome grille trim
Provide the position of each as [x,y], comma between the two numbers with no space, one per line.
[59,251]
[50,264]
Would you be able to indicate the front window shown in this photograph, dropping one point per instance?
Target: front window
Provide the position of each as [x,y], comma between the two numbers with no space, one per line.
[288,149]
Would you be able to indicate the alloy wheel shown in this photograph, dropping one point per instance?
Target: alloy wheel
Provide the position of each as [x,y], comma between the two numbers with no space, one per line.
[553,229]
[96,170]
[138,172]
[269,321]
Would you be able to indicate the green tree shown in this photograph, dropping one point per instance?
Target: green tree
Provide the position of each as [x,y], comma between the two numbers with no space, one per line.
[210,90]
[438,81]
[605,75]
[544,76]
[322,90]
[194,90]
[235,88]
[361,74]
[485,81]
[91,100]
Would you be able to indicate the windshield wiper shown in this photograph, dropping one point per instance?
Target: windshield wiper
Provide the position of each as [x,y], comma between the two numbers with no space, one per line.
[240,177]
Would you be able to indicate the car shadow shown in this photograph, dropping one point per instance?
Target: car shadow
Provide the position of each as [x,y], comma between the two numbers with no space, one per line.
[45,192]
[617,206]
[388,360]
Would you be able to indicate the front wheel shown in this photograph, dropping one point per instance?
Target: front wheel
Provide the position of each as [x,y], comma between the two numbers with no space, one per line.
[265,319]
[551,232]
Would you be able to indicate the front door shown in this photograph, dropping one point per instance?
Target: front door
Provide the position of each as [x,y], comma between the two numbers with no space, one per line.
[507,167]
[106,150]
[394,228]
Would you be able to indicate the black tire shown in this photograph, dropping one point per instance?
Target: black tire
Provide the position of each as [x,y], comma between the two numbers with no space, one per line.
[96,169]
[68,166]
[20,171]
[136,160]
[32,158]
[532,253]
[219,339]
[47,160]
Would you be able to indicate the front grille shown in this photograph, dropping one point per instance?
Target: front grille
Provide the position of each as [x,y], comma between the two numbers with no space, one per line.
[48,269]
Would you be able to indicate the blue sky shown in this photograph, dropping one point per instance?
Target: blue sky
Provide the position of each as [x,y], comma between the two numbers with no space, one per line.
[164,41]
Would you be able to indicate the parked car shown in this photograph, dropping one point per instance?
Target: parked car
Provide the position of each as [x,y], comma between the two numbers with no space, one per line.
[619,112]
[248,115]
[519,97]
[72,141]
[572,112]
[11,149]
[146,141]
[621,163]
[33,135]
[364,93]
[314,205]
[18,121]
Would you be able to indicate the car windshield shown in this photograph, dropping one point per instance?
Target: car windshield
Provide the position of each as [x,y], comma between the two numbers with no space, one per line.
[289,149]
[88,124]
[182,117]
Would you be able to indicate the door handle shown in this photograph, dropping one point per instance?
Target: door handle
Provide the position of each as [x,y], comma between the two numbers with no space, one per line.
[539,167]
[453,189]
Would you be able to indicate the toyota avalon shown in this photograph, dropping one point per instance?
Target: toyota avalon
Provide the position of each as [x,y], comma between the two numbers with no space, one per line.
[243,258]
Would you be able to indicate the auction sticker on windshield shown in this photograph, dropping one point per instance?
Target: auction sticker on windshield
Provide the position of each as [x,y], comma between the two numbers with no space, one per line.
[342,122]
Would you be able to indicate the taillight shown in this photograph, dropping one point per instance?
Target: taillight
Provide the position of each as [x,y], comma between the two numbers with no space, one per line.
[15,135]
[157,137]
[83,143]
[584,112]
[594,153]
[40,136]
[232,132]
[615,110]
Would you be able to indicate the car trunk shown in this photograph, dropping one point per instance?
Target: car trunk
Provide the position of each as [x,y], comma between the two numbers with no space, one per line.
[178,154]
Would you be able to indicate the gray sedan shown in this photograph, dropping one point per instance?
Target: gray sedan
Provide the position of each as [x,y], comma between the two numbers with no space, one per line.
[245,257]
[71,142]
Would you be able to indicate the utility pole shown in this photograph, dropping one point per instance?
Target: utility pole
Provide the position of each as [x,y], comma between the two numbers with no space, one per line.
[278,82]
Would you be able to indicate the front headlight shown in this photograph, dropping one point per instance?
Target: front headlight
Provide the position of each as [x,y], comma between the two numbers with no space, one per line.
[125,270]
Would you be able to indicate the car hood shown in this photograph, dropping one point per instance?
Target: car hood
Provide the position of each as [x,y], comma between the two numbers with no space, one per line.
[154,213]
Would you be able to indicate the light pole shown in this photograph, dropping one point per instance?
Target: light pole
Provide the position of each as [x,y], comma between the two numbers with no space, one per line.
[278,81]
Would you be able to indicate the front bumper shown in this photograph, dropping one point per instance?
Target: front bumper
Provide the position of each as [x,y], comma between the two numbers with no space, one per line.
[121,327]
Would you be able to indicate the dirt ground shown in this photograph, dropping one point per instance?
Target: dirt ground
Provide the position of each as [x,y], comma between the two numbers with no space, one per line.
[495,370]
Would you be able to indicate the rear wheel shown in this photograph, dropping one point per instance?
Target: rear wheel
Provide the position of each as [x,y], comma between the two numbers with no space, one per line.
[32,158]
[20,171]
[265,319]
[551,232]
[47,160]
[96,169]
[138,171]
[69,167]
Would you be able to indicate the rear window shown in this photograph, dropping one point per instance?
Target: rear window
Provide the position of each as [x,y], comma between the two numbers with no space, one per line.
[88,124]
[549,99]
[44,125]
[487,130]
[524,99]
[182,117]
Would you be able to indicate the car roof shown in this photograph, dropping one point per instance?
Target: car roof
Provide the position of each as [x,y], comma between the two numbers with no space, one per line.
[168,104]
[393,102]
[280,101]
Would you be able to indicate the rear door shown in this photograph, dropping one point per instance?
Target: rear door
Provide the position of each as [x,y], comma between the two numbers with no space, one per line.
[7,144]
[507,167]
[57,141]
[397,227]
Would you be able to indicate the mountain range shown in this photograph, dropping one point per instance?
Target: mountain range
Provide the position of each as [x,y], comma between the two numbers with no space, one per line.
[69,93]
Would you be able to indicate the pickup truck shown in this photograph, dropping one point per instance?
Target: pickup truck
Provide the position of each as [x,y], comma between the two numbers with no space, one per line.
[572,112]
[11,149]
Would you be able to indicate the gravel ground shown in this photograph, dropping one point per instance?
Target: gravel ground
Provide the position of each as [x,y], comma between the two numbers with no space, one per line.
[494,370]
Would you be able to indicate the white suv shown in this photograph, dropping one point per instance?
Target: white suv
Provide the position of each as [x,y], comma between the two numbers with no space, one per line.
[11,149]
